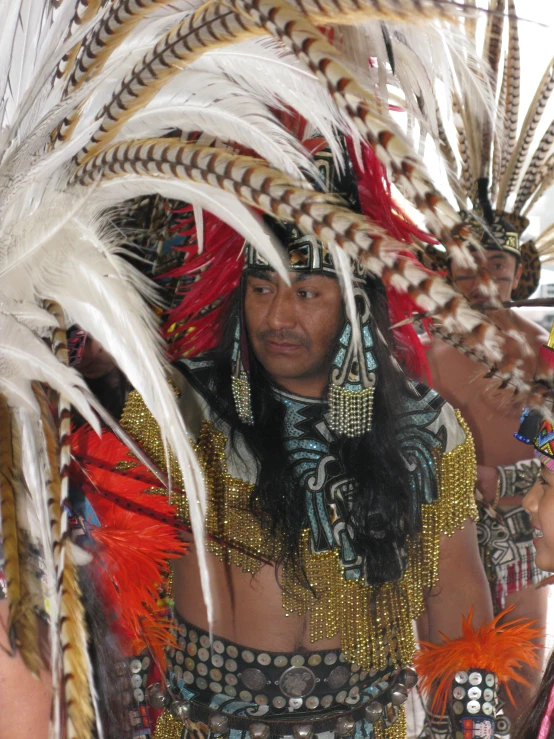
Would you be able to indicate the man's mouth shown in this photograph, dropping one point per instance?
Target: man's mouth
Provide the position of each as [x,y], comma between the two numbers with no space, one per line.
[282,346]
[479,298]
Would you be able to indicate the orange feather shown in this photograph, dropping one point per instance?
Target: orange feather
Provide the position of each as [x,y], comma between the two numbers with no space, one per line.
[133,545]
[499,648]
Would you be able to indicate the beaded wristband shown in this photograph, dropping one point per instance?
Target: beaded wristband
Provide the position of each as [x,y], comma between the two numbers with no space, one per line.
[473,704]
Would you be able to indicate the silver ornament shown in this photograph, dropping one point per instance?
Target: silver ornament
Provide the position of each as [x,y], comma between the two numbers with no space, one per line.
[373,712]
[346,726]
[303,731]
[259,730]
[398,694]
[155,696]
[180,710]
[408,677]
[219,724]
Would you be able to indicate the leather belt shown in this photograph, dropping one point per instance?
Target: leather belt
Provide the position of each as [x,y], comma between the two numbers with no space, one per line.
[278,726]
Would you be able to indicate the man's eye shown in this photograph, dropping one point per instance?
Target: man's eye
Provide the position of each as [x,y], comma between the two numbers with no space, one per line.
[260,289]
[542,481]
[307,293]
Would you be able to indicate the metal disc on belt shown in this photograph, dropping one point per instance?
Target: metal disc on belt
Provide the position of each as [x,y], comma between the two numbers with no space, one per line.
[338,677]
[253,679]
[297,682]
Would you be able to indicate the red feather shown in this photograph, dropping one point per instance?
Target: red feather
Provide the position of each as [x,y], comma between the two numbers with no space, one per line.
[502,649]
[133,544]
[194,326]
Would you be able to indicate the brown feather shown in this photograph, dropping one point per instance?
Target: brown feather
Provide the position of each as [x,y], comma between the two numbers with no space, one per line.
[491,53]
[526,136]
[545,181]
[85,10]
[211,26]
[121,19]
[500,135]
[267,189]
[407,11]
[22,621]
[300,35]
[535,168]
[512,75]
[467,172]
[77,678]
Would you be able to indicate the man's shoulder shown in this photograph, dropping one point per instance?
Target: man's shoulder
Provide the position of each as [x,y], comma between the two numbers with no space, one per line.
[427,411]
[440,355]
[534,332]
[194,379]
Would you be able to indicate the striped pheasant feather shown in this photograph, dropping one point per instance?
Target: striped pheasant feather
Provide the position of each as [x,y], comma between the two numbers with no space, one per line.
[512,75]
[500,135]
[535,168]
[85,11]
[94,125]
[491,53]
[528,130]
[75,661]
[95,50]
[22,626]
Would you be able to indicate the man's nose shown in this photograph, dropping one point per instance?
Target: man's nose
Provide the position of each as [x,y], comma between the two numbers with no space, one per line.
[282,313]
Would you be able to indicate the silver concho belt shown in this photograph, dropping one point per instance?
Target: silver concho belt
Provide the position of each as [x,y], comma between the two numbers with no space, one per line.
[297,693]
[284,682]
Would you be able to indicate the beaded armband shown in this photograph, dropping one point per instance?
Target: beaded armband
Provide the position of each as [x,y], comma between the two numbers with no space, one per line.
[518,478]
[473,703]
[468,694]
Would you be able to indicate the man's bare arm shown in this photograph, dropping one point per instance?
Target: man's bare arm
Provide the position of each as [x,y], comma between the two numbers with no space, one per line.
[24,700]
[462,584]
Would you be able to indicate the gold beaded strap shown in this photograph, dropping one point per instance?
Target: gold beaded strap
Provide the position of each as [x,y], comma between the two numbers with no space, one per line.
[374,623]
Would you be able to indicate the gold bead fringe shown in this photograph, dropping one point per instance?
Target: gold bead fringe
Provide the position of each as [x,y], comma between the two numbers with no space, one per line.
[350,411]
[374,624]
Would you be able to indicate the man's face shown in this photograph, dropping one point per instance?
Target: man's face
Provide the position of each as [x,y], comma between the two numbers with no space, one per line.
[501,266]
[293,329]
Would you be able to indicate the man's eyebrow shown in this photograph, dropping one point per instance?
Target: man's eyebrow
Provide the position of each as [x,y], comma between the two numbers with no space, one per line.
[503,257]
[299,276]
[263,274]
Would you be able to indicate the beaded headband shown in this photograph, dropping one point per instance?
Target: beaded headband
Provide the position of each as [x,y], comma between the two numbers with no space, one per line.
[502,236]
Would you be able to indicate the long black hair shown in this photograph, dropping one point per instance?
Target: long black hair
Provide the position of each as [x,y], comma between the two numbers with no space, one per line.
[383,511]
[529,723]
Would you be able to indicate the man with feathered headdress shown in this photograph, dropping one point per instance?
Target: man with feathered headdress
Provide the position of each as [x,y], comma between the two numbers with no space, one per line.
[297,484]
[340,505]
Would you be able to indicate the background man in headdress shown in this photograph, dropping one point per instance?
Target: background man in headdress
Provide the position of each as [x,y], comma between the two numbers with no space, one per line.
[498,174]
[506,469]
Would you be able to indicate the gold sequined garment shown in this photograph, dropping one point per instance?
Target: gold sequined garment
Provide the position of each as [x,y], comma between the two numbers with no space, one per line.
[371,621]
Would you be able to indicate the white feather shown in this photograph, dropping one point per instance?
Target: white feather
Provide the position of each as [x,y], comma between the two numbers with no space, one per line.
[343,265]
[24,356]
[220,203]
[277,78]
[225,111]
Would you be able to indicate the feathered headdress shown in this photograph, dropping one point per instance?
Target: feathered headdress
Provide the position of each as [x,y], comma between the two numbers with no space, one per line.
[500,168]
[91,93]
